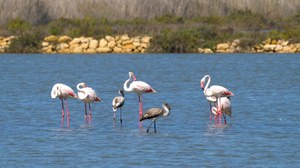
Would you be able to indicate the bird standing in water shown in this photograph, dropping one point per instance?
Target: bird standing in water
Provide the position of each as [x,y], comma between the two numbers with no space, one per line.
[139,87]
[155,113]
[117,103]
[63,92]
[87,95]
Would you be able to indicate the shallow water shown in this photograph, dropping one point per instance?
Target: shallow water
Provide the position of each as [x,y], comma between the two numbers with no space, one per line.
[264,130]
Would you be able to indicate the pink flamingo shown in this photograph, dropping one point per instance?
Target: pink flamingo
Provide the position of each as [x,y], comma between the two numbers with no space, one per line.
[63,92]
[225,108]
[87,95]
[214,94]
[139,87]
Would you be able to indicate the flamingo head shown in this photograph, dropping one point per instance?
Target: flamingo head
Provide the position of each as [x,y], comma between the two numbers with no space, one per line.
[202,84]
[131,75]
[81,85]
[167,109]
[214,111]
[54,92]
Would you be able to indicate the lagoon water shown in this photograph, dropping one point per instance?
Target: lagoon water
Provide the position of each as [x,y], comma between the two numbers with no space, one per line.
[263,132]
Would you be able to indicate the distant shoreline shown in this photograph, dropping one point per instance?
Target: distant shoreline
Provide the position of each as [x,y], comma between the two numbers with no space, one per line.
[140,44]
[124,44]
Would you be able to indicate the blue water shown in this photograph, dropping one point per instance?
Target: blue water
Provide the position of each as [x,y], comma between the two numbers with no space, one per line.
[264,130]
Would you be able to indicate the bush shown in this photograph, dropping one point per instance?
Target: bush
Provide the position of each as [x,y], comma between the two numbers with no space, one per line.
[26,43]
[176,41]
[18,26]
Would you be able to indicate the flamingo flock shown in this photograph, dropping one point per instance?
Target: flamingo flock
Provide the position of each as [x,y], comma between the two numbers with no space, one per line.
[217,96]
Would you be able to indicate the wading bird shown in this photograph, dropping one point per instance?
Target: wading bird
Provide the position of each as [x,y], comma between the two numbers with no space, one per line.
[139,87]
[225,108]
[155,113]
[63,92]
[87,95]
[117,103]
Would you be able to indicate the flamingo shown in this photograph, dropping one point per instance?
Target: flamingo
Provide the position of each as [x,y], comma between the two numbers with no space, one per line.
[63,92]
[118,102]
[87,95]
[225,107]
[214,93]
[139,87]
[155,113]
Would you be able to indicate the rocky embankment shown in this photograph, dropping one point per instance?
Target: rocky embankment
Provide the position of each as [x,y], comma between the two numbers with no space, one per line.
[5,42]
[267,46]
[88,45]
[139,44]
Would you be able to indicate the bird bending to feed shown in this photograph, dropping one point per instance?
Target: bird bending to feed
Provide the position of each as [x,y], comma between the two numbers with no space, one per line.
[139,87]
[225,107]
[214,94]
[87,95]
[63,92]
[117,103]
[155,113]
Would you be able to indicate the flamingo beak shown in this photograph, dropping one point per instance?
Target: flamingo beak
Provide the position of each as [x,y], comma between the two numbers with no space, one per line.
[202,85]
[131,74]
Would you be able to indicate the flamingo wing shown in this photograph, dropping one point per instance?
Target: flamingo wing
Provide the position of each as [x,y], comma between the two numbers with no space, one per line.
[92,95]
[88,95]
[152,113]
[219,91]
[226,105]
[141,87]
[62,91]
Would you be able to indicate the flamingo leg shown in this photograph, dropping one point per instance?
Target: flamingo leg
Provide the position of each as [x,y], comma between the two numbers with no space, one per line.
[140,105]
[90,114]
[150,125]
[219,111]
[210,111]
[154,126]
[215,119]
[114,116]
[85,113]
[224,115]
[68,114]
[121,116]
[62,113]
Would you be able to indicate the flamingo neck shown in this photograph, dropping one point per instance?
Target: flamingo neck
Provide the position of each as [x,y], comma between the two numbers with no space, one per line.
[166,110]
[121,93]
[125,86]
[54,92]
[207,83]
[127,83]
[80,87]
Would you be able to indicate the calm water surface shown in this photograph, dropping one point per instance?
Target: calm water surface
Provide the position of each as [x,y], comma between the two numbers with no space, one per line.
[264,130]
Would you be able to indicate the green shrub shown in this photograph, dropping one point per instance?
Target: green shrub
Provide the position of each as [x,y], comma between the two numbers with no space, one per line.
[26,43]
[18,26]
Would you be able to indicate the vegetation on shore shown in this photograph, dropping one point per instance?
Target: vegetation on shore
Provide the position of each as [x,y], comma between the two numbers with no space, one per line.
[171,34]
